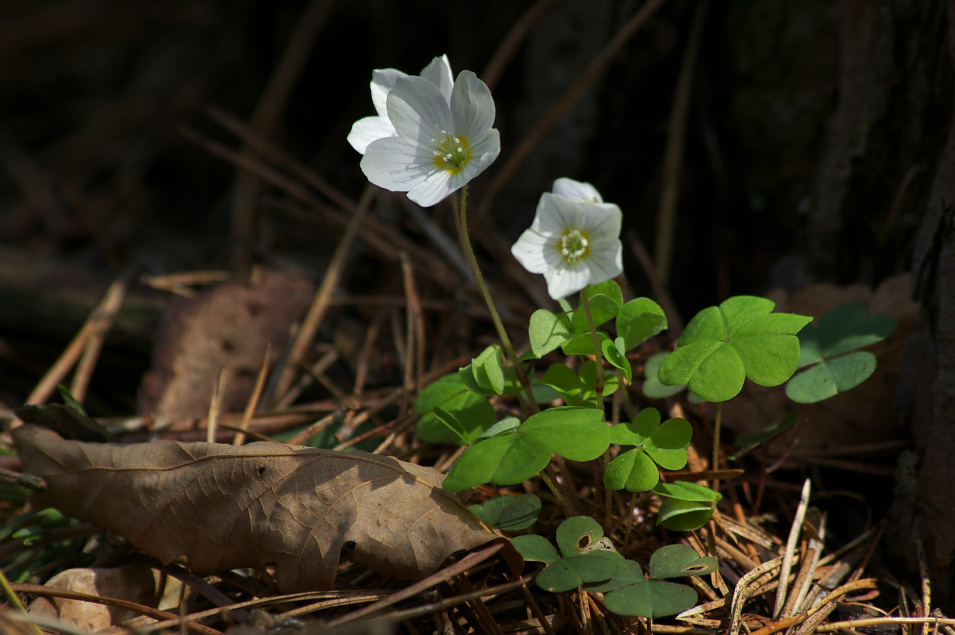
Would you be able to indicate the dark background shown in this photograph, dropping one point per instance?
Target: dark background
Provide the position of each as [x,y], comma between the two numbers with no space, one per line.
[815,151]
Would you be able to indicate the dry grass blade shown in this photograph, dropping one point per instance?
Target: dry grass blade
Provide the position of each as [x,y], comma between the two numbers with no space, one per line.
[253,402]
[788,556]
[316,312]
[434,579]
[94,329]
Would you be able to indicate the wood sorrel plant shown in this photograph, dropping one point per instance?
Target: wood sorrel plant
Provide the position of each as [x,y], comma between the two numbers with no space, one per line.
[431,136]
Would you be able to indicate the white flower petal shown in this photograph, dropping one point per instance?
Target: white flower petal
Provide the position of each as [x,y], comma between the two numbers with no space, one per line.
[600,219]
[396,164]
[382,81]
[577,191]
[483,153]
[417,110]
[472,106]
[530,250]
[369,129]
[564,281]
[605,264]
[433,189]
[438,72]
[556,214]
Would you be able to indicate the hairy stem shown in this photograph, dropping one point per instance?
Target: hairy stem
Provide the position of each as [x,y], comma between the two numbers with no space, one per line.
[599,385]
[495,316]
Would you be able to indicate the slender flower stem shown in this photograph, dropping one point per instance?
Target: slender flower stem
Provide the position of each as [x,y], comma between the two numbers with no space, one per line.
[495,317]
[585,305]
[717,420]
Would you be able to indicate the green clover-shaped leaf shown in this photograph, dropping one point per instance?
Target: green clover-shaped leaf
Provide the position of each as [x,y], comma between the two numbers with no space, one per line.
[571,572]
[485,375]
[638,321]
[508,513]
[628,573]
[825,350]
[604,299]
[579,390]
[578,434]
[674,561]
[652,387]
[723,345]
[534,548]
[615,357]
[652,598]
[686,506]
[548,331]
[472,412]
[578,535]
[656,444]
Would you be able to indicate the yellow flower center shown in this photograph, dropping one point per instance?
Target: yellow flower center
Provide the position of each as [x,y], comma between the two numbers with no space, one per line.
[451,154]
[573,245]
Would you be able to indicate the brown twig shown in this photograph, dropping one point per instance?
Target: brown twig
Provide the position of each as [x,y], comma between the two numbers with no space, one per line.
[316,312]
[253,403]
[96,326]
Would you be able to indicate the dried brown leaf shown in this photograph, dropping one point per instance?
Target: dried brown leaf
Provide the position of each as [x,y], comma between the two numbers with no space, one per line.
[265,505]
[135,583]
[226,328]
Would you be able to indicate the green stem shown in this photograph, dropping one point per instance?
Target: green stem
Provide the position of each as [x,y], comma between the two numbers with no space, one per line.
[495,316]
[556,491]
[599,385]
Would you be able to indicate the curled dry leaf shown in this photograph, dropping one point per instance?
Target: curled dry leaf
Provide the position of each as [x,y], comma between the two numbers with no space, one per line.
[135,583]
[265,505]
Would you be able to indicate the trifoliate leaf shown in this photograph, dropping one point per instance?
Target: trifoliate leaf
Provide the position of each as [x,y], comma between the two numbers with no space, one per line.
[628,573]
[637,431]
[548,331]
[578,434]
[534,548]
[828,378]
[652,387]
[616,358]
[569,573]
[505,460]
[451,394]
[823,349]
[509,513]
[639,320]
[605,300]
[652,598]
[739,338]
[674,561]
[632,470]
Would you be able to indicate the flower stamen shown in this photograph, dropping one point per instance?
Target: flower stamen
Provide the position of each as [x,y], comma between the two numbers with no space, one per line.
[573,245]
[451,154]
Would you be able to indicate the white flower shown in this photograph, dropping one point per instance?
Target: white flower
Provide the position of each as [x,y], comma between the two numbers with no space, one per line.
[440,144]
[574,239]
[369,129]
[577,191]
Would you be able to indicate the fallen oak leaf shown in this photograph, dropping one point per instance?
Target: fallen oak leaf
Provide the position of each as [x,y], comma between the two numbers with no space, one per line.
[265,505]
